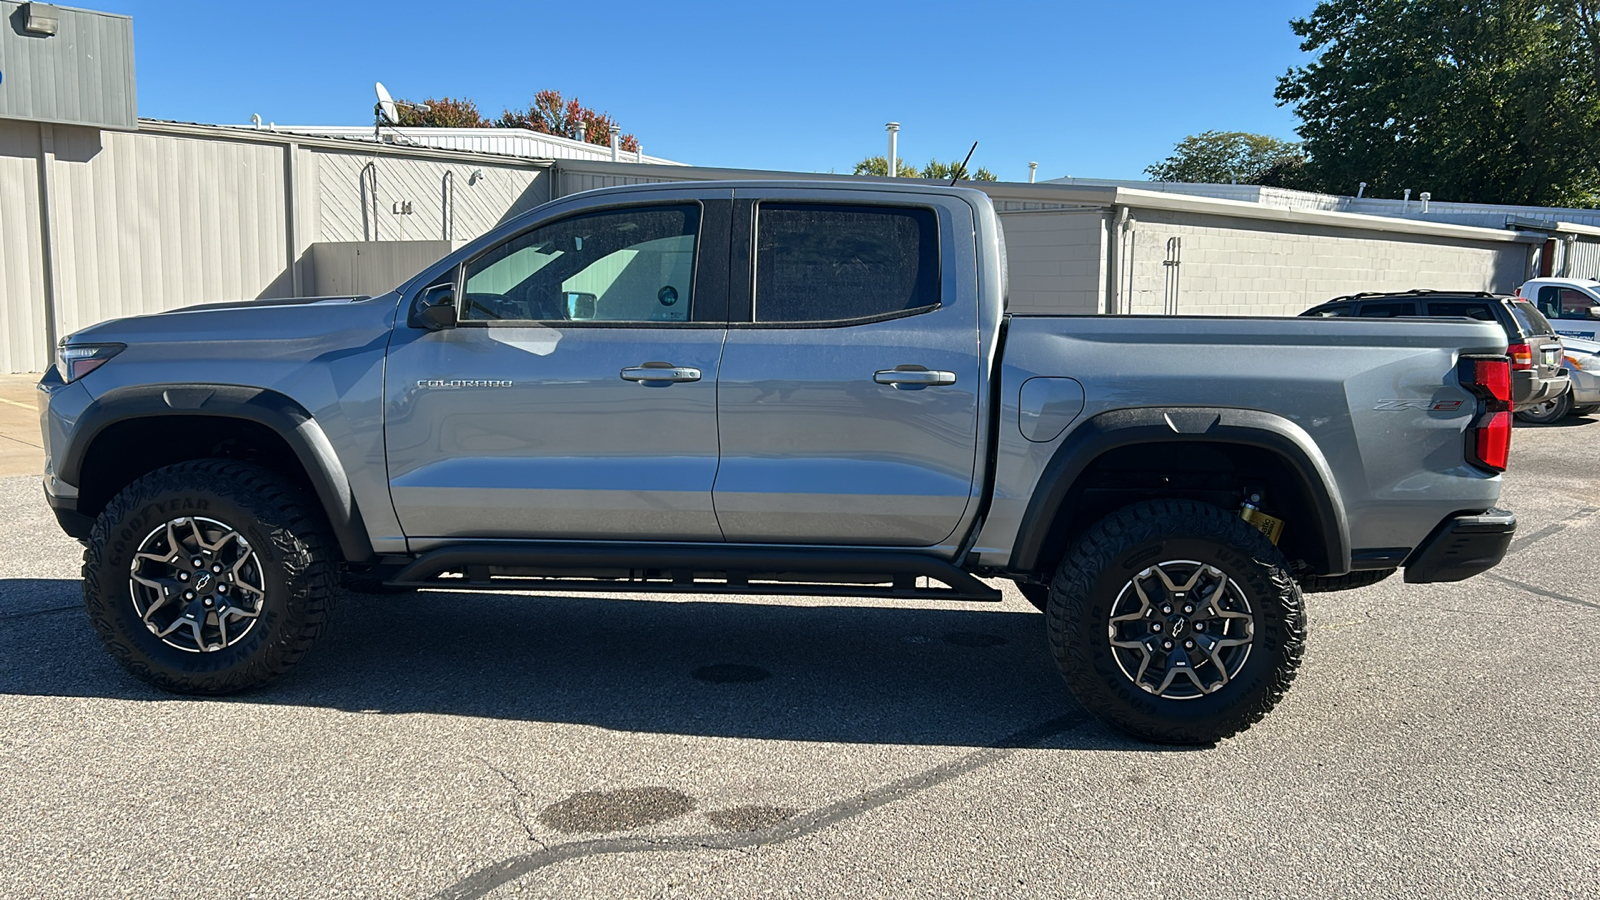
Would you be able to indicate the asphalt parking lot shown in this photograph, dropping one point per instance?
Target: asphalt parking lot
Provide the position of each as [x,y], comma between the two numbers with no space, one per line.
[1441,740]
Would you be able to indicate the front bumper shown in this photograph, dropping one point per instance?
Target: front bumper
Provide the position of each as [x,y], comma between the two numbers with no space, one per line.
[1462,546]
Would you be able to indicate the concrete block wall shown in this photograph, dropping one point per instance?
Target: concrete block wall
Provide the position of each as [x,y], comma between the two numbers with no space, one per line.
[1252,267]
[1057,261]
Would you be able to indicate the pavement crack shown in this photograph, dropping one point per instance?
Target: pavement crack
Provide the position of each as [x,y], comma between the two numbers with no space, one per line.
[40,612]
[519,794]
[491,877]
[1523,585]
[1576,518]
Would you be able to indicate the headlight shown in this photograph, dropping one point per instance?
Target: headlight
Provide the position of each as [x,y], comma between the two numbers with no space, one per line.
[74,361]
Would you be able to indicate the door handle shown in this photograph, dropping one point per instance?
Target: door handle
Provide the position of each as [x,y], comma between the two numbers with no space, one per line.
[913,376]
[660,373]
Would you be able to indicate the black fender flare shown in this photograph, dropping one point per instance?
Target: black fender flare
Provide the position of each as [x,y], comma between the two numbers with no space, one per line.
[271,409]
[1127,427]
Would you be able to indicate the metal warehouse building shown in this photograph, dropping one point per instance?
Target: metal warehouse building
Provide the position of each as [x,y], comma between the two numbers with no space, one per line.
[105,215]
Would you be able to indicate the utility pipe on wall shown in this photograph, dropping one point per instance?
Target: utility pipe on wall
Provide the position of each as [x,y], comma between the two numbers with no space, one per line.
[894,150]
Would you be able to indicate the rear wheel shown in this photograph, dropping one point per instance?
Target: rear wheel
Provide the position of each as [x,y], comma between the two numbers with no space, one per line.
[1176,622]
[209,577]
[1585,410]
[1545,412]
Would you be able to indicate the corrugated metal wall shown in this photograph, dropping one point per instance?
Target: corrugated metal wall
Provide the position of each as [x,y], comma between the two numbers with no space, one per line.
[148,222]
[82,74]
[22,318]
[174,215]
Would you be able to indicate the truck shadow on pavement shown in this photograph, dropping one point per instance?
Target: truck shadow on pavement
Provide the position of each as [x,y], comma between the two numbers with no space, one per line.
[958,676]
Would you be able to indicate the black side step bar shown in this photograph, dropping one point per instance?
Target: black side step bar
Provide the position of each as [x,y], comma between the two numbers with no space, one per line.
[677,566]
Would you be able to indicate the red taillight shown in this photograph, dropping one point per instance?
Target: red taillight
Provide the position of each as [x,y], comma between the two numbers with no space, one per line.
[1489,438]
[1494,376]
[1521,356]
[1492,441]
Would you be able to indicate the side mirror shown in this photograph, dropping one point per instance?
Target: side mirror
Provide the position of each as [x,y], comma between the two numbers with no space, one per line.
[434,308]
[581,305]
[1594,312]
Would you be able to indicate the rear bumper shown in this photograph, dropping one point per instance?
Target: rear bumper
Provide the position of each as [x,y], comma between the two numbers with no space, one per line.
[1527,387]
[1462,546]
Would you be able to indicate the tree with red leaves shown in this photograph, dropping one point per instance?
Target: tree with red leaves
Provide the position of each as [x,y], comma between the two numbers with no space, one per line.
[548,114]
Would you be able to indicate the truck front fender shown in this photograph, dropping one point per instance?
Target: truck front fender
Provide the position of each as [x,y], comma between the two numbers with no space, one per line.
[1116,429]
[282,415]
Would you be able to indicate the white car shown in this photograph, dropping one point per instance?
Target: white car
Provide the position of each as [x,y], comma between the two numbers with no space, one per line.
[1571,304]
[1582,359]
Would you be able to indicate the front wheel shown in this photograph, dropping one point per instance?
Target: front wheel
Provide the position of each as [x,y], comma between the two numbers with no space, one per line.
[1545,412]
[209,577]
[1176,622]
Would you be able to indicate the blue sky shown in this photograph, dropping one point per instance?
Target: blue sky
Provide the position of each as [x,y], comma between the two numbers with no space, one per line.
[1093,89]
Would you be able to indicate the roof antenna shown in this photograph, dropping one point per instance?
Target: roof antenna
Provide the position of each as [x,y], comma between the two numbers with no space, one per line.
[962,169]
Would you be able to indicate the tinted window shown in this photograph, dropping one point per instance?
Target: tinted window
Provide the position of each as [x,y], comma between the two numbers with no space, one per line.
[633,265]
[1468,309]
[1326,312]
[1573,305]
[1530,320]
[817,263]
[1387,310]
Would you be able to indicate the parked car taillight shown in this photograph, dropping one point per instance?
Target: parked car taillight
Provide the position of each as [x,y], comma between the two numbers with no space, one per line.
[1489,438]
[1521,356]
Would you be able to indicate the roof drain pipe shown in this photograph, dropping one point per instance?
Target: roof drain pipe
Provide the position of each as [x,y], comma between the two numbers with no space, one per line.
[1119,223]
[893,167]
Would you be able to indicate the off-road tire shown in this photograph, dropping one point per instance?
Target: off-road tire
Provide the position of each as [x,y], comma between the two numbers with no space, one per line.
[1037,594]
[1102,562]
[1547,412]
[286,531]
[1321,584]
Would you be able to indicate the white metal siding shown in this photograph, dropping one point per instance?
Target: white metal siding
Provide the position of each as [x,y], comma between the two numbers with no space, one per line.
[1057,261]
[81,75]
[1238,267]
[147,223]
[22,320]
[347,213]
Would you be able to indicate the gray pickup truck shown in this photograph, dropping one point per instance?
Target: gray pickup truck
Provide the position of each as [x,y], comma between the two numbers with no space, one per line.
[808,388]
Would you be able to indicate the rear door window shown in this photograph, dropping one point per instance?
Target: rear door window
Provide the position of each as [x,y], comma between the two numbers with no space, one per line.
[831,263]
[1387,310]
[1470,309]
[1331,312]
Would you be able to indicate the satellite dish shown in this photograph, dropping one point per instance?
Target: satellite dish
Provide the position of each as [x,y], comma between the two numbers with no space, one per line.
[386,109]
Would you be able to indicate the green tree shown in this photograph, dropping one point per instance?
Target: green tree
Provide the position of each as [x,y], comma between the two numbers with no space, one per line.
[1222,157]
[1493,101]
[879,165]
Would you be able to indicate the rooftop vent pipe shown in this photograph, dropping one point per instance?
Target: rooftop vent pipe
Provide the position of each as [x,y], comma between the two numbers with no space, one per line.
[1033,169]
[1361,190]
[615,143]
[1425,197]
[894,140]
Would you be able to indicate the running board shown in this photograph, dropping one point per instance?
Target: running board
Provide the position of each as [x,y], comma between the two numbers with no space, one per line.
[689,568]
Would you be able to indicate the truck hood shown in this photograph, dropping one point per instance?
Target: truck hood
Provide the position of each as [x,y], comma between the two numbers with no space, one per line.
[237,318]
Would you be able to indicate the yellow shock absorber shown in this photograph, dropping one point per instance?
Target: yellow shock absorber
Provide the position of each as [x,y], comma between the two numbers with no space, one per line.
[1260,521]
